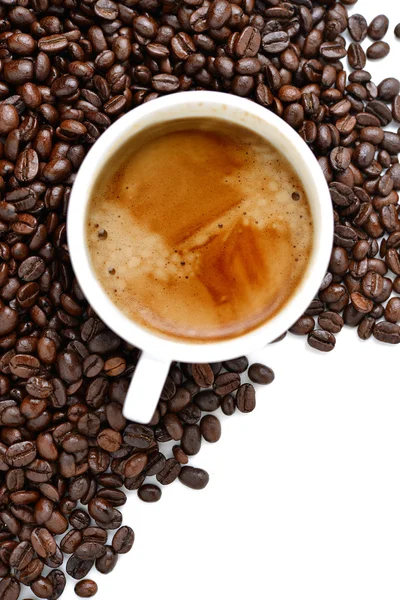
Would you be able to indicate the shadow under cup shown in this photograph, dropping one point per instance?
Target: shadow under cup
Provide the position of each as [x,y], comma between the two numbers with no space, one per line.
[159,351]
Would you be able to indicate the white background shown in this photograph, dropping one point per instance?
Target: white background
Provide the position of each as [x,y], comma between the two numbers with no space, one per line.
[304,493]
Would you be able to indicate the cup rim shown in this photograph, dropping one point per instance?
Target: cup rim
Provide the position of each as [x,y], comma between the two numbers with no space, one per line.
[184,350]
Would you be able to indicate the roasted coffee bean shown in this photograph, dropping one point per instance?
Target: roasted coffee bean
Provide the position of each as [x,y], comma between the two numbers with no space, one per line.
[55,560]
[180,455]
[379,110]
[210,428]
[225,383]
[378,27]
[58,581]
[366,327]
[261,374]
[392,310]
[218,14]
[245,398]
[89,550]
[275,42]
[356,56]
[238,365]
[21,556]
[197,479]
[106,563]
[173,426]
[20,454]
[168,390]
[203,375]
[321,340]
[206,400]
[100,510]
[330,321]
[86,588]
[155,463]
[109,440]
[388,88]
[248,42]
[228,405]
[78,568]
[358,27]
[387,332]
[71,541]
[42,587]
[170,472]
[191,440]
[134,465]
[303,326]
[94,534]
[79,519]
[138,436]
[181,399]
[149,493]
[9,118]
[9,588]
[372,285]
[392,259]
[378,50]
[361,303]
[43,542]
[31,572]
[123,540]
[340,158]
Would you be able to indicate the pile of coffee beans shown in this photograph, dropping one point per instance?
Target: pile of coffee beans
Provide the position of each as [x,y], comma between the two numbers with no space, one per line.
[67,453]
[68,69]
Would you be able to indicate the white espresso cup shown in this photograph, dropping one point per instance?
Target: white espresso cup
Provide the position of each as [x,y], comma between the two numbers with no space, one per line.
[159,351]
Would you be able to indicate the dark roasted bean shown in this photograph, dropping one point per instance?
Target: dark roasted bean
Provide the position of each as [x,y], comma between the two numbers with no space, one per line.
[191,440]
[9,588]
[123,540]
[149,493]
[261,374]
[21,556]
[43,542]
[378,27]
[303,326]
[86,588]
[225,383]
[106,563]
[206,400]
[169,473]
[356,56]
[358,27]
[203,375]
[378,50]
[322,340]
[89,550]
[78,568]
[197,479]
[387,332]
[210,428]
[245,398]
[237,365]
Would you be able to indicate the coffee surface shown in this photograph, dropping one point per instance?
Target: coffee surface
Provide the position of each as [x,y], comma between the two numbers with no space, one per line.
[199,229]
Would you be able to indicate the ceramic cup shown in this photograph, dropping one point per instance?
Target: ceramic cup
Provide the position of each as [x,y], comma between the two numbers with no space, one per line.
[157,351]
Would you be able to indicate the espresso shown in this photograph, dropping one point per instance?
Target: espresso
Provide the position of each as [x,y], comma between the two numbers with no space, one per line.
[199,230]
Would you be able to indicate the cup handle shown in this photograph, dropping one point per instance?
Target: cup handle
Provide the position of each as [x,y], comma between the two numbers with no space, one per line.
[145,388]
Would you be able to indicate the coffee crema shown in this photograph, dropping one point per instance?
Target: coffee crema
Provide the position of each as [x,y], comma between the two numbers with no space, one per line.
[199,230]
